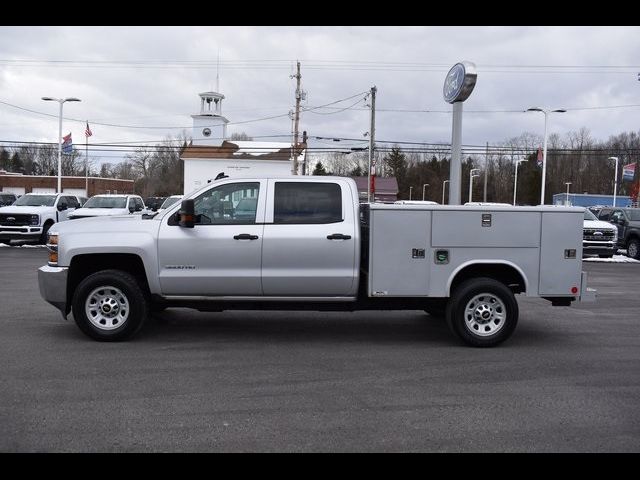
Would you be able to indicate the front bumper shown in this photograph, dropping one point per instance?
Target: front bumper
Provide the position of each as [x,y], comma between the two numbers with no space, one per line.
[599,248]
[20,232]
[53,286]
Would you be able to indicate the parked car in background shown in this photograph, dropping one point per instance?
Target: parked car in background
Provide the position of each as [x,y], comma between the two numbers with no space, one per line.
[7,199]
[170,201]
[108,205]
[599,238]
[492,204]
[31,216]
[627,221]
[154,203]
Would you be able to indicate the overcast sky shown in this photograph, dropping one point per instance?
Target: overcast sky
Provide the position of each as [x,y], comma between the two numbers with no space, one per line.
[151,76]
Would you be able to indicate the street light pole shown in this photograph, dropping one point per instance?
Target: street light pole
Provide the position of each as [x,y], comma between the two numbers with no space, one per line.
[615,180]
[544,152]
[61,102]
[444,184]
[423,188]
[515,182]
[471,177]
[566,202]
[410,191]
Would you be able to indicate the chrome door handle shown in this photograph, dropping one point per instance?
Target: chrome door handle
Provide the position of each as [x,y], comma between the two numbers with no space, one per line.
[338,236]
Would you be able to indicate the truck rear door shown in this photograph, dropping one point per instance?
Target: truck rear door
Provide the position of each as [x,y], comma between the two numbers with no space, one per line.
[310,240]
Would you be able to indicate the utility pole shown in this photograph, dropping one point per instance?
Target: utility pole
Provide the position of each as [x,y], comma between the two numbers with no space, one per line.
[297,76]
[486,169]
[372,132]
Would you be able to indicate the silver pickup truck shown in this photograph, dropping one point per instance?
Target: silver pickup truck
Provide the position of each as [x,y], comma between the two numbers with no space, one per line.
[301,243]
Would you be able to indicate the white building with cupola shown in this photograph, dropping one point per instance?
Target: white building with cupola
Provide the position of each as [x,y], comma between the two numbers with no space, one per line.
[211,152]
[209,126]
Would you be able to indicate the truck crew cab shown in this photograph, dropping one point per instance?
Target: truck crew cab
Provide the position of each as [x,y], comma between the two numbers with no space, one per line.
[307,243]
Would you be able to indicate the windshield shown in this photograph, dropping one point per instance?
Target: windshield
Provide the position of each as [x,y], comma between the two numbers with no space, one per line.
[169,201]
[589,216]
[106,202]
[634,214]
[36,201]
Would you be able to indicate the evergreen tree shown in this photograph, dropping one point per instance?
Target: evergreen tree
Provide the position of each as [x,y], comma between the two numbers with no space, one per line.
[319,169]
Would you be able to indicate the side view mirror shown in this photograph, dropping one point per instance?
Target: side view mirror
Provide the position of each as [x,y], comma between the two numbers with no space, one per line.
[186,214]
[62,207]
[138,208]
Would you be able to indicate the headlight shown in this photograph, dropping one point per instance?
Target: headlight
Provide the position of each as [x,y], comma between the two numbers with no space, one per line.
[52,248]
[34,220]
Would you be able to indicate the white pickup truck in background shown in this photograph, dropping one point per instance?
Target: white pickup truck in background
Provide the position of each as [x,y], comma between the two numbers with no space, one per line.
[301,243]
[31,216]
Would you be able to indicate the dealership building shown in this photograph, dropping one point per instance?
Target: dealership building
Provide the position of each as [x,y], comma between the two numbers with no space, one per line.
[21,184]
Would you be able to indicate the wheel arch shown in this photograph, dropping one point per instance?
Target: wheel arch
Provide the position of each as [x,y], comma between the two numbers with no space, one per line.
[501,270]
[84,265]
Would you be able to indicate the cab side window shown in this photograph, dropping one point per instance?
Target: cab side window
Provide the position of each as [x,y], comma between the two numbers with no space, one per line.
[230,204]
[616,216]
[307,203]
[72,202]
[605,215]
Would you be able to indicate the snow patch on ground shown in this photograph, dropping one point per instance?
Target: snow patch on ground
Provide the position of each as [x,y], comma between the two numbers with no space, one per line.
[615,259]
[22,246]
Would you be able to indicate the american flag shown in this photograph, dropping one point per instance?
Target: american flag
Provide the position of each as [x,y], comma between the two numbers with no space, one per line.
[540,157]
[87,132]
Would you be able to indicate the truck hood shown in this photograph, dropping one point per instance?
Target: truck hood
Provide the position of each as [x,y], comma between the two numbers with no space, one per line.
[112,224]
[598,224]
[99,212]
[26,209]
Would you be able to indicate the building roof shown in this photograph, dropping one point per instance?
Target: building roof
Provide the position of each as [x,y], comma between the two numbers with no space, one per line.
[244,150]
[384,185]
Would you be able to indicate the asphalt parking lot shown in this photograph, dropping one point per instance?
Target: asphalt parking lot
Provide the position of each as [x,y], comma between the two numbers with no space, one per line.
[567,381]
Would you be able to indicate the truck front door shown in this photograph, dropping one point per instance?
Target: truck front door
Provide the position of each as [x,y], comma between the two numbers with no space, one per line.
[309,244]
[221,255]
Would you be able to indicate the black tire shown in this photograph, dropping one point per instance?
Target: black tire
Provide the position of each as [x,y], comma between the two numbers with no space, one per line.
[130,291]
[5,242]
[482,295]
[606,256]
[45,231]
[633,248]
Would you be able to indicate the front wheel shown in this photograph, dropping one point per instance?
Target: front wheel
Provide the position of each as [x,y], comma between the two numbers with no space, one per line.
[110,306]
[482,312]
[633,248]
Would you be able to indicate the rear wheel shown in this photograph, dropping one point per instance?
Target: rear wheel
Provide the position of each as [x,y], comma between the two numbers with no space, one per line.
[482,312]
[633,248]
[110,306]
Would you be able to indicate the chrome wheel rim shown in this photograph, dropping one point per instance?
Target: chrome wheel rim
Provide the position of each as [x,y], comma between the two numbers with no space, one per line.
[485,315]
[107,308]
[632,250]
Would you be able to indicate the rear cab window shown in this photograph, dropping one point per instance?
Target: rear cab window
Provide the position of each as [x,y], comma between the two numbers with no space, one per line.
[307,203]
